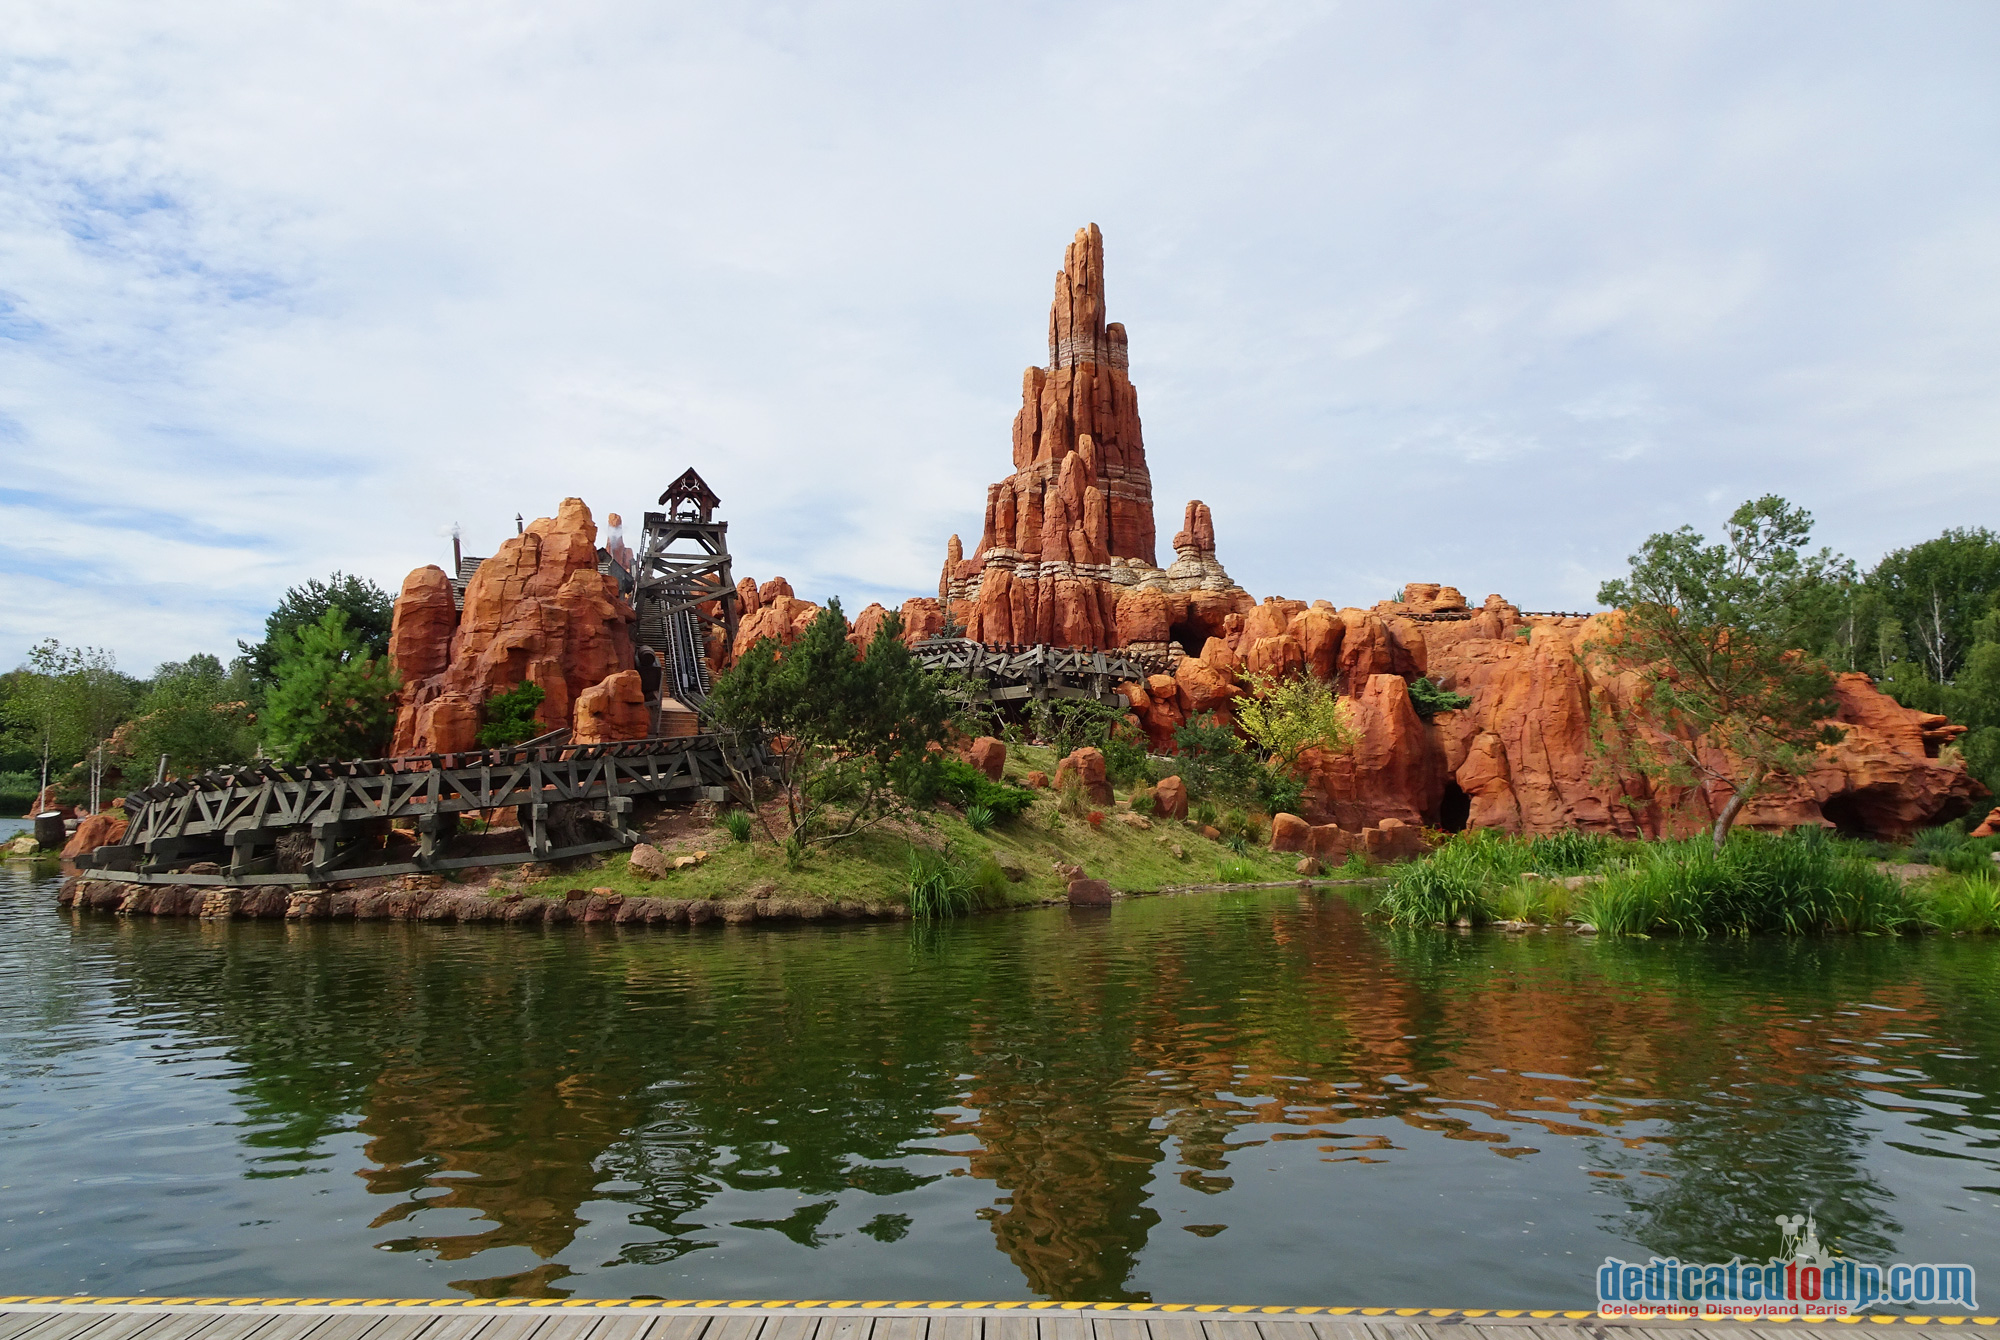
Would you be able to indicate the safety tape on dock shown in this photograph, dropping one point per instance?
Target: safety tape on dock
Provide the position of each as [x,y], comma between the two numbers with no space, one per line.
[1245,1310]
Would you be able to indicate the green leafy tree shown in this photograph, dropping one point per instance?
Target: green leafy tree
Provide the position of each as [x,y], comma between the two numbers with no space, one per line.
[330,698]
[1214,761]
[854,731]
[1937,592]
[196,714]
[65,703]
[1714,632]
[510,716]
[1286,717]
[367,607]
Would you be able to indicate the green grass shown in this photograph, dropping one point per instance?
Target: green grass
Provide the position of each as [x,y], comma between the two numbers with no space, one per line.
[1796,883]
[1960,904]
[874,868]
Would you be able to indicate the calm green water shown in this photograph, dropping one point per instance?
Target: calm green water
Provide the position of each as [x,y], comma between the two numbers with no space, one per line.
[1252,1097]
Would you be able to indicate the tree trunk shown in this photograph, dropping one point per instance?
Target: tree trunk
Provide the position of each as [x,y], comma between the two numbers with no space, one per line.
[1728,817]
[1739,796]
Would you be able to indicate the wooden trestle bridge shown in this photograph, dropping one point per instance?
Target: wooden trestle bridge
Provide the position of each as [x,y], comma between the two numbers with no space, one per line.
[1017,673]
[239,826]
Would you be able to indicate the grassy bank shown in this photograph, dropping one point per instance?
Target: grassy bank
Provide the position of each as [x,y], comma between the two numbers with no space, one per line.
[939,851]
[1801,882]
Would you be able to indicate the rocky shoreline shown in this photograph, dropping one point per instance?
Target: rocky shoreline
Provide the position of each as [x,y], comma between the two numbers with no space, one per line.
[415,899]
[425,898]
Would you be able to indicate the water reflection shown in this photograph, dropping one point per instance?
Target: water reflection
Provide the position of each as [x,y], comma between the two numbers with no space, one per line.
[1257,1096]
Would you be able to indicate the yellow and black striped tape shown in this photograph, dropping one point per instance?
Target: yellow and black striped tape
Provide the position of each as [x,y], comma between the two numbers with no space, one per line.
[1236,1309]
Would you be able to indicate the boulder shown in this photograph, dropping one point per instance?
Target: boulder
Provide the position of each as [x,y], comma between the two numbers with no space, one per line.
[1990,826]
[649,862]
[1089,893]
[94,831]
[1203,688]
[1087,766]
[1170,798]
[1393,840]
[1290,833]
[1037,781]
[1145,616]
[1390,772]
[614,709]
[989,755]
[1279,657]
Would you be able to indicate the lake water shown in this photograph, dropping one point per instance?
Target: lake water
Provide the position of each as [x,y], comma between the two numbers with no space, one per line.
[1254,1097]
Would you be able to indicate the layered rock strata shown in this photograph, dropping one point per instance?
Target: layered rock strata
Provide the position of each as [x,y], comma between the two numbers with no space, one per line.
[1070,533]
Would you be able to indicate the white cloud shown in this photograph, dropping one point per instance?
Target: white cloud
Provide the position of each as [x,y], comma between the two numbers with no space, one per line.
[1430,293]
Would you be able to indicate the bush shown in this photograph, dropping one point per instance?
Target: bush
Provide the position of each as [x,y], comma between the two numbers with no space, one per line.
[510,716]
[937,887]
[979,818]
[1096,818]
[1428,699]
[967,787]
[738,824]
[1236,870]
[1933,843]
[1143,801]
[1203,813]
[1214,762]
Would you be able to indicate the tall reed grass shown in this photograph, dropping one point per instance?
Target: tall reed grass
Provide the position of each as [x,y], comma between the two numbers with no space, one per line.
[1800,882]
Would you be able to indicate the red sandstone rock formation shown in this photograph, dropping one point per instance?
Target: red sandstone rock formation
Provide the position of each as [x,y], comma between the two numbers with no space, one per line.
[613,710]
[1069,535]
[537,611]
[94,831]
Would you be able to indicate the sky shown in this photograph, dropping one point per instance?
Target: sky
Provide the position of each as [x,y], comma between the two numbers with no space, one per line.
[1416,290]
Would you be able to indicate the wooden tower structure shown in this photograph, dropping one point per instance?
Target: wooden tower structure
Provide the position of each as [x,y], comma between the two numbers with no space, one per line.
[682,587]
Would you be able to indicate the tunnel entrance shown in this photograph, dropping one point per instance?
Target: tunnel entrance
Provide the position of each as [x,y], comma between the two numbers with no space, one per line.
[1455,809]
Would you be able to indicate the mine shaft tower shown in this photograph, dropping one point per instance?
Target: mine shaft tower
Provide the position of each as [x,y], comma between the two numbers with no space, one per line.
[682,587]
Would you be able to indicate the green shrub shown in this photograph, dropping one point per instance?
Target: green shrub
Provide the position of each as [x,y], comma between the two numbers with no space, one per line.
[1142,800]
[1236,870]
[979,817]
[510,716]
[738,824]
[1428,699]
[1435,891]
[967,787]
[1971,860]
[1203,813]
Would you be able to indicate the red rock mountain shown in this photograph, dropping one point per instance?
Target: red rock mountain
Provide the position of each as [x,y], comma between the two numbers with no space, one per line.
[1066,555]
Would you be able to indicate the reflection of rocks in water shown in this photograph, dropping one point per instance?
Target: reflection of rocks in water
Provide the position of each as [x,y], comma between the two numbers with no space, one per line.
[525,1162]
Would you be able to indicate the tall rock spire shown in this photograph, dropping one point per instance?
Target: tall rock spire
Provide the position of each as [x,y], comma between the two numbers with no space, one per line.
[1070,533]
[1082,403]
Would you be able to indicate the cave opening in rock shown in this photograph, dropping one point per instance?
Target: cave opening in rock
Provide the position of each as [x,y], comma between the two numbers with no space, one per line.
[1455,809]
[1844,812]
[1190,635]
